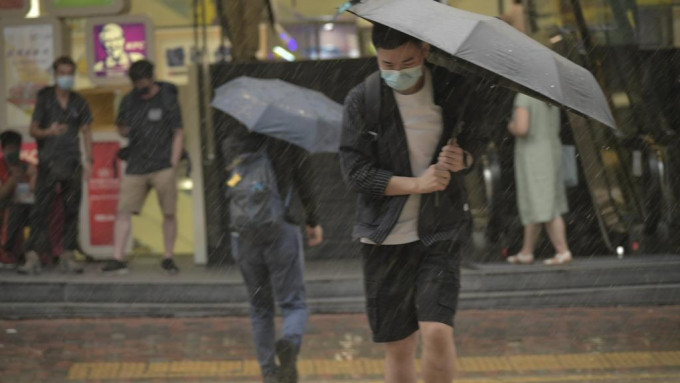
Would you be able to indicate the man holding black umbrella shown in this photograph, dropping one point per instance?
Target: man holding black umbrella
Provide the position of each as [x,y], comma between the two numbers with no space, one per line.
[407,139]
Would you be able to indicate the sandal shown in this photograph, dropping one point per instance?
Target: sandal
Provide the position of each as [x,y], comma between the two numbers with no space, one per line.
[559,259]
[520,258]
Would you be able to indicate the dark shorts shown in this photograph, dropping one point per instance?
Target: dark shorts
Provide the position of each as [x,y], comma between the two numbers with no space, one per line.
[407,284]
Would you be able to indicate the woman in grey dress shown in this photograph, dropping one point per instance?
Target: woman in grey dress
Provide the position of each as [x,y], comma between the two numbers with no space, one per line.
[541,194]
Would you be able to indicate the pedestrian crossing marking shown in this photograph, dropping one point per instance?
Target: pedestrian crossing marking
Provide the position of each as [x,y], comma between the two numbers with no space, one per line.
[240,368]
[482,364]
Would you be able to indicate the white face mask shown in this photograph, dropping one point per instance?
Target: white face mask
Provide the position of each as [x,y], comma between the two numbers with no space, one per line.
[66,82]
[404,79]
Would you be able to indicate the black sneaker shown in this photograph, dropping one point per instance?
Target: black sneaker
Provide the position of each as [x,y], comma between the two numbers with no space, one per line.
[285,350]
[169,265]
[115,266]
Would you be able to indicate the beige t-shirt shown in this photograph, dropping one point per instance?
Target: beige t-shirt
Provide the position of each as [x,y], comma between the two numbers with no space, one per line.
[423,125]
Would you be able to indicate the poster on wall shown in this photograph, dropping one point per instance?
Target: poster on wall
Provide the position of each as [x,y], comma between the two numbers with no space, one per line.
[28,47]
[82,8]
[175,54]
[113,44]
[100,196]
[14,8]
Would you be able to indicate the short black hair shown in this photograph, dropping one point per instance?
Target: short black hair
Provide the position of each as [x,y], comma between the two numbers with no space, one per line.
[63,60]
[387,38]
[10,137]
[140,70]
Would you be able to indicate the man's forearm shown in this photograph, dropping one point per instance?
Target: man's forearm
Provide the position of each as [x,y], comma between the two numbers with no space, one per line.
[36,132]
[87,143]
[177,146]
[402,186]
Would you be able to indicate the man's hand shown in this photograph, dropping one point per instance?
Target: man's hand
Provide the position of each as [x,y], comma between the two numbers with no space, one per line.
[124,131]
[452,157]
[314,235]
[57,129]
[433,180]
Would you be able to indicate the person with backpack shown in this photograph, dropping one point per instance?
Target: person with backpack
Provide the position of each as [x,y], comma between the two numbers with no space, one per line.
[151,118]
[409,135]
[270,193]
[60,117]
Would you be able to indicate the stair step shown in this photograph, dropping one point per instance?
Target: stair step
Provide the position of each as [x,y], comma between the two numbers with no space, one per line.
[647,295]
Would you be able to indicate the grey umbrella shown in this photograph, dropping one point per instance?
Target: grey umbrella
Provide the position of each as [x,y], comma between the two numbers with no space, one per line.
[492,48]
[279,109]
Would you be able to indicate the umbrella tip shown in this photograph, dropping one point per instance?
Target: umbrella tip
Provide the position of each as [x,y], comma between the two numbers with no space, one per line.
[344,7]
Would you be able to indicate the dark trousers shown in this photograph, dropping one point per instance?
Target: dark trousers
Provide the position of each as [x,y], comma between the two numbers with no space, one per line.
[273,273]
[71,190]
[15,218]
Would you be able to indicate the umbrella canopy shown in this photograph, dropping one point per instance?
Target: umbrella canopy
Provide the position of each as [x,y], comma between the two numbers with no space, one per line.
[279,109]
[493,49]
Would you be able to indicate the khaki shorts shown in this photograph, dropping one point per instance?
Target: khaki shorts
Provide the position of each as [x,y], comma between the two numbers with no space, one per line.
[135,187]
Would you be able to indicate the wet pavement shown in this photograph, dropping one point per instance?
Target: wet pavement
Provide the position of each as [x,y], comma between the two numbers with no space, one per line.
[546,345]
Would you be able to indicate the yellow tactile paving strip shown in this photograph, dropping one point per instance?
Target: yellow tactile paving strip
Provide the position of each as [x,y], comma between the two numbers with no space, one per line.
[565,364]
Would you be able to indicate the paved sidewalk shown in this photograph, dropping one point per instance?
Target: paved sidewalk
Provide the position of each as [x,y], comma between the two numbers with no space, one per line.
[520,346]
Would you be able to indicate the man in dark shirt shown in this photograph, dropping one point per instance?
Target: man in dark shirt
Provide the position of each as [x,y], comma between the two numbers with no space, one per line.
[150,117]
[409,135]
[60,116]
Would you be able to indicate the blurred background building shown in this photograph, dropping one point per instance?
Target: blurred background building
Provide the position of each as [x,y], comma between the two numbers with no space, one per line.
[631,45]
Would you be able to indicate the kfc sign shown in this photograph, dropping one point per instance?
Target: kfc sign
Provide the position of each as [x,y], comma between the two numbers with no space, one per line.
[114,44]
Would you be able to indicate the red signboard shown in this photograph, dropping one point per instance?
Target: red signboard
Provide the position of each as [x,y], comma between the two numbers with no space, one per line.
[103,192]
[12,4]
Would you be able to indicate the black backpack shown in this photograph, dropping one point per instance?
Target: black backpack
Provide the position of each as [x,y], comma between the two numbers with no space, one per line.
[256,208]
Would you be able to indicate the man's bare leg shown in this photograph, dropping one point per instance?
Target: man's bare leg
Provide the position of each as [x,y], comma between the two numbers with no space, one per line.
[169,235]
[121,235]
[400,360]
[439,352]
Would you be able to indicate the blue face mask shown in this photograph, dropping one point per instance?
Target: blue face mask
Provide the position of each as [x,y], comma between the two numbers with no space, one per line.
[401,80]
[66,82]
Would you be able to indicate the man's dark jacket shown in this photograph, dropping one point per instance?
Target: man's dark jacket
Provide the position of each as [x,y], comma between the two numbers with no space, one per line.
[371,155]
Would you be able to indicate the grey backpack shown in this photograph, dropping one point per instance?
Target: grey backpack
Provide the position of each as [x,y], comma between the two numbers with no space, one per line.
[256,208]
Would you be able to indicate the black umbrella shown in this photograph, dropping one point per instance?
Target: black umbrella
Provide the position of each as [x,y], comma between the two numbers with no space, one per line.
[493,49]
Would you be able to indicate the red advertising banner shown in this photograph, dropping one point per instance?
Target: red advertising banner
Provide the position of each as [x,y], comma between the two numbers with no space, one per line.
[12,4]
[103,192]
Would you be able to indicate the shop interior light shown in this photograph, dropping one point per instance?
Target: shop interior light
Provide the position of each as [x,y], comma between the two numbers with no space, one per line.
[286,37]
[328,27]
[185,184]
[35,9]
[292,45]
[283,53]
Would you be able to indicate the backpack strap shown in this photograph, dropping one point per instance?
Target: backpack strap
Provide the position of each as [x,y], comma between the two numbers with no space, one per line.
[289,196]
[372,99]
